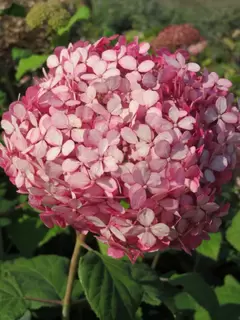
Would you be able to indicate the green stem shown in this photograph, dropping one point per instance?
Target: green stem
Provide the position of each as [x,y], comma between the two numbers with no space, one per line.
[155,260]
[71,277]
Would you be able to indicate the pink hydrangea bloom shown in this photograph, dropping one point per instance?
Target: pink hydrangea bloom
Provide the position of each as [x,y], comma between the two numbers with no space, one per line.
[111,125]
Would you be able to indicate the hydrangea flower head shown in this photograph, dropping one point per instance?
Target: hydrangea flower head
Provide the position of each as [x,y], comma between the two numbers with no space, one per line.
[130,146]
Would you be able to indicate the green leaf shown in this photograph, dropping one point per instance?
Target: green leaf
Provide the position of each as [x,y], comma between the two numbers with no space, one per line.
[233,234]
[103,248]
[229,292]
[83,13]
[26,316]
[43,277]
[18,53]
[33,228]
[12,303]
[4,222]
[29,64]
[196,287]
[154,290]
[109,287]
[51,233]
[211,248]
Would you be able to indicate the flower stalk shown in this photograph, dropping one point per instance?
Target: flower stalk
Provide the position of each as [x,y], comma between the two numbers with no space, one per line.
[71,277]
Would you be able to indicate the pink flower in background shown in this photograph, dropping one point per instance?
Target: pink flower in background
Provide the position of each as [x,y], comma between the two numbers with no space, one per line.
[129,146]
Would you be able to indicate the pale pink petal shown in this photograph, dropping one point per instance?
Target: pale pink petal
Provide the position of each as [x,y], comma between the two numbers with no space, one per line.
[109,55]
[97,169]
[53,153]
[137,196]
[117,233]
[114,105]
[107,183]
[129,135]
[110,164]
[224,83]
[179,151]
[157,164]
[86,155]
[144,47]
[187,123]
[70,165]
[54,137]
[7,126]
[160,230]
[193,67]
[78,134]
[147,239]
[221,105]
[128,62]
[162,149]
[146,66]
[52,61]
[59,120]
[99,67]
[111,73]
[40,149]
[103,145]
[78,180]
[230,117]
[88,76]
[210,115]
[19,111]
[96,221]
[142,149]
[34,135]
[143,131]
[219,163]
[150,97]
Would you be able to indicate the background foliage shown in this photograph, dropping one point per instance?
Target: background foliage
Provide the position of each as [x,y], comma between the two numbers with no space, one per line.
[34,260]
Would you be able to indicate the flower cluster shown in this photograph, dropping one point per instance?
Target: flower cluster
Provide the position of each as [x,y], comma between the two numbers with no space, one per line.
[129,146]
[180,36]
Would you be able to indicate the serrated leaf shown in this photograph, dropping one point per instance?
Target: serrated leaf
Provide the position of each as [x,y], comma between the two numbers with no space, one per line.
[12,304]
[43,277]
[233,234]
[83,13]
[229,292]
[196,287]
[111,291]
[154,290]
[211,248]
[31,63]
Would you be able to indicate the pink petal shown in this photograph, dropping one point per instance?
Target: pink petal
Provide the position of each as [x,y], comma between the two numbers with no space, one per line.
[147,239]
[96,221]
[150,97]
[109,55]
[137,196]
[34,135]
[78,180]
[208,174]
[86,155]
[221,105]
[54,137]
[103,146]
[99,67]
[230,117]
[97,169]
[68,147]
[160,230]
[219,163]
[187,123]
[157,164]
[78,135]
[210,115]
[144,47]
[7,126]
[146,66]
[114,106]
[179,151]
[110,164]
[19,111]
[143,131]
[53,153]
[129,135]
[111,73]
[142,149]
[162,149]
[52,61]
[173,114]
[59,120]
[117,233]
[128,62]
[146,217]
[108,184]
[224,83]
[70,165]
[40,149]
[88,76]
[193,67]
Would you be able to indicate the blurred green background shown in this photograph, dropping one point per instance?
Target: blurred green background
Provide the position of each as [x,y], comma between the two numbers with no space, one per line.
[210,30]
